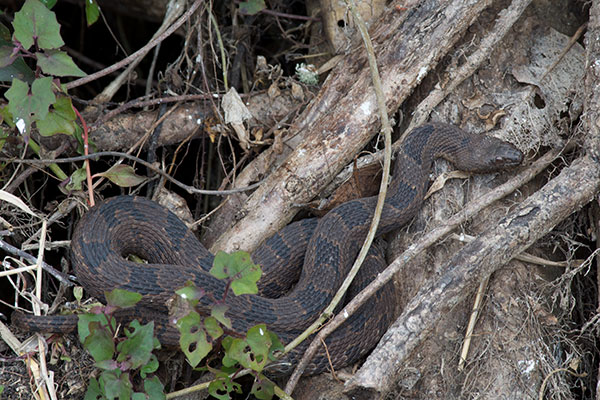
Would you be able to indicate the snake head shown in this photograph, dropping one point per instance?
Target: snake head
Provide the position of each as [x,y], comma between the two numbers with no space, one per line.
[488,154]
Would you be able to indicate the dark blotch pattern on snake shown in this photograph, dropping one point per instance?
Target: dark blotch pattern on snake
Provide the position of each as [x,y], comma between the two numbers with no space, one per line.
[131,225]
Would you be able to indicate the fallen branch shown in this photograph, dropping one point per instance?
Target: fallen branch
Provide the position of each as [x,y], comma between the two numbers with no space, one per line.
[341,120]
[61,277]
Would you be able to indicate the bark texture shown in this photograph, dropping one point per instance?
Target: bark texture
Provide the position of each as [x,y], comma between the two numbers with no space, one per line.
[567,193]
[342,118]
[573,188]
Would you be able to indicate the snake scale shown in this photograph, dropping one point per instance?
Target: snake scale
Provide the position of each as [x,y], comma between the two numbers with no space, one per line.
[327,248]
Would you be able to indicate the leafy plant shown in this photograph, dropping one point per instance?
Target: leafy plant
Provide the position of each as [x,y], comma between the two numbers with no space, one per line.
[122,175]
[120,359]
[36,97]
[199,335]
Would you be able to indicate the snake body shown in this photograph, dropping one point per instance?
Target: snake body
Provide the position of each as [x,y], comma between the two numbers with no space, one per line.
[132,225]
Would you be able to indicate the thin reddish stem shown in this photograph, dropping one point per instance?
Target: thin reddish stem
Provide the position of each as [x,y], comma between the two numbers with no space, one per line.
[88,172]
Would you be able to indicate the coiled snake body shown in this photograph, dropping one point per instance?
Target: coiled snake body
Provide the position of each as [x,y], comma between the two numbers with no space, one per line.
[129,225]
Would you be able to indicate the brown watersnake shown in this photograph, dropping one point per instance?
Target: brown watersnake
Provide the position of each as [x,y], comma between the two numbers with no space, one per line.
[124,225]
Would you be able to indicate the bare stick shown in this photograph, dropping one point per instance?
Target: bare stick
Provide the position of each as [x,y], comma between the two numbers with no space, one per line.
[472,321]
[140,52]
[189,189]
[564,52]
[138,103]
[63,278]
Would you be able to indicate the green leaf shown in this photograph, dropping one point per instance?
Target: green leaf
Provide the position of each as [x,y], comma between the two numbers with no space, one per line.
[108,365]
[252,7]
[78,293]
[263,389]
[254,351]
[260,343]
[42,97]
[17,96]
[84,321]
[150,367]
[276,346]
[264,342]
[78,135]
[11,63]
[218,312]
[5,34]
[49,3]
[122,298]
[233,350]
[92,11]
[99,342]
[239,267]
[192,338]
[76,179]
[23,103]
[116,385]
[212,327]
[225,265]
[137,348]
[34,23]
[58,63]
[17,70]
[6,116]
[154,389]
[60,119]
[123,175]
[221,387]
[7,55]
[54,124]
[190,293]
[93,390]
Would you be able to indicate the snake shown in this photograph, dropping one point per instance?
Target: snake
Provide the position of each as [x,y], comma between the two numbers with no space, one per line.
[324,249]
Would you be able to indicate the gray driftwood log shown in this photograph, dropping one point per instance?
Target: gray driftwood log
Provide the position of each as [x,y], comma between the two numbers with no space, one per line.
[342,118]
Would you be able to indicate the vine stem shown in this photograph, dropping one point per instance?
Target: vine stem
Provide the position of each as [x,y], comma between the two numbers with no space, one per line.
[59,173]
[387,132]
